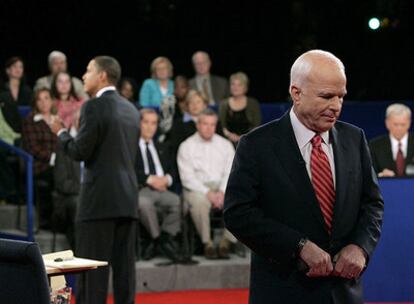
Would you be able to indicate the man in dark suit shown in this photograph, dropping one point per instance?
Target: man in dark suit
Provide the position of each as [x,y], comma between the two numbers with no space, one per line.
[107,213]
[303,196]
[156,174]
[393,154]
[214,88]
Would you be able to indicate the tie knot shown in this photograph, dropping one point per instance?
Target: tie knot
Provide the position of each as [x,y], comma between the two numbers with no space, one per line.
[316,141]
[147,143]
[399,144]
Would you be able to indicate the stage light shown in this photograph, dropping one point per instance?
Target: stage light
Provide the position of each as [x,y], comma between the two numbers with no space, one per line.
[374,23]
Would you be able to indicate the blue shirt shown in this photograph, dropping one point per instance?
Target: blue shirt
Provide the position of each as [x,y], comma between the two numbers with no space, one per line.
[150,94]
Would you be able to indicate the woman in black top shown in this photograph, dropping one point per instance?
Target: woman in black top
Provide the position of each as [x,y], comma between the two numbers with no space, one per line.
[239,113]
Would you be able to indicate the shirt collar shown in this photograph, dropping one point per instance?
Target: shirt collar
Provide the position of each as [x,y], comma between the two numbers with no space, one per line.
[105,89]
[403,140]
[302,133]
[143,142]
[37,117]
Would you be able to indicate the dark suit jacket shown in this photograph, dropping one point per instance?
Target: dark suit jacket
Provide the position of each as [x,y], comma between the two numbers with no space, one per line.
[167,163]
[219,87]
[270,205]
[381,153]
[107,143]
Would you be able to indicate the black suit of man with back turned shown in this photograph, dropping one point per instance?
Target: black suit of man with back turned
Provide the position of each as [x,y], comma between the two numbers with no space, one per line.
[106,218]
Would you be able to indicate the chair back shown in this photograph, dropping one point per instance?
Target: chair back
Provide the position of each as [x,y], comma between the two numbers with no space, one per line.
[23,277]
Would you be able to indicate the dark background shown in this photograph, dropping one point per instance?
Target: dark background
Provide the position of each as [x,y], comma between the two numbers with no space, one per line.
[261,38]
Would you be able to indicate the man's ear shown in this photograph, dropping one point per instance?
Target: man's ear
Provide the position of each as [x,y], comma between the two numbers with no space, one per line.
[295,94]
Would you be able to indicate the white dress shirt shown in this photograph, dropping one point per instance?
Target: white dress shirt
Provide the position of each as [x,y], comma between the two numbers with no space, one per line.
[394,146]
[157,163]
[303,138]
[204,163]
[105,89]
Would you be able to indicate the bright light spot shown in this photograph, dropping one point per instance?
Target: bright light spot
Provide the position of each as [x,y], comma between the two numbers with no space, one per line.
[374,23]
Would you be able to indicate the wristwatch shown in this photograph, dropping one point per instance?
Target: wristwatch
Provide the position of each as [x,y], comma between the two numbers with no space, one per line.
[300,245]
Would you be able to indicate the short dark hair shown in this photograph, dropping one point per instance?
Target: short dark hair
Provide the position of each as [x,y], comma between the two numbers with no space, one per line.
[148,111]
[110,66]
[12,61]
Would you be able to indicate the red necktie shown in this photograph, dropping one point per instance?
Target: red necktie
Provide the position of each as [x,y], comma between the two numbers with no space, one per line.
[399,161]
[322,180]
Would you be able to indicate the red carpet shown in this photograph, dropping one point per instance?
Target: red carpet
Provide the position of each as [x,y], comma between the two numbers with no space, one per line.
[219,296]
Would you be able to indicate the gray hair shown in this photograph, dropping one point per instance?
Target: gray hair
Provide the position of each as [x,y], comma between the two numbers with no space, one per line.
[205,54]
[397,109]
[303,65]
[55,54]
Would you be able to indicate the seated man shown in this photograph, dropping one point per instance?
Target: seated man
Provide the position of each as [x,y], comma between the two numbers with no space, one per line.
[204,163]
[393,154]
[155,172]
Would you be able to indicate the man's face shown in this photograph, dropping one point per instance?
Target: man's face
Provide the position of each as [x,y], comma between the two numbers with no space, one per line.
[149,123]
[318,101]
[206,126]
[92,78]
[398,125]
[201,64]
[57,65]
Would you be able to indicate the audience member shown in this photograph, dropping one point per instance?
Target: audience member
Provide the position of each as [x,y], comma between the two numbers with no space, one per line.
[239,113]
[213,87]
[185,127]
[67,103]
[58,63]
[156,174]
[67,178]
[159,86]
[303,197]
[181,89]
[15,89]
[393,154]
[204,163]
[128,88]
[40,142]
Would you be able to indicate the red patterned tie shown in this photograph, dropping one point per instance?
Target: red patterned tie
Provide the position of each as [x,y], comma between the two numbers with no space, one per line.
[399,162]
[322,180]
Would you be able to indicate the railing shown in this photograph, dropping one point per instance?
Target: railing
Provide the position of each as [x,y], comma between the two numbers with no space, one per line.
[29,192]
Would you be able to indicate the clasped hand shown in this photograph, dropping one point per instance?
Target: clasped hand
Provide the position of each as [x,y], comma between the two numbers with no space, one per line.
[348,263]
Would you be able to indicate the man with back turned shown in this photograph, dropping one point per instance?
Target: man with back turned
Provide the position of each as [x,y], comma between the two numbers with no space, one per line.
[106,218]
[303,196]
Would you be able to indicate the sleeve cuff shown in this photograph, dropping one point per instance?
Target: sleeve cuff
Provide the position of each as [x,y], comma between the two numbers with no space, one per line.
[170,180]
[52,159]
[61,131]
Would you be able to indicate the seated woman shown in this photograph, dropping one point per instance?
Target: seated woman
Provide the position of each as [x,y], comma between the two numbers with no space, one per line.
[67,103]
[185,127]
[239,113]
[159,86]
[15,88]
[39,140]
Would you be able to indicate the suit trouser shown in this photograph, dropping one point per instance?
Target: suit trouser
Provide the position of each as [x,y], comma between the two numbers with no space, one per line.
[200,208]
[167,204]
[111,240]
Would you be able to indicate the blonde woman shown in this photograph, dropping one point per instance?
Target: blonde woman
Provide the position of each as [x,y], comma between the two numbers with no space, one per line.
[159,86]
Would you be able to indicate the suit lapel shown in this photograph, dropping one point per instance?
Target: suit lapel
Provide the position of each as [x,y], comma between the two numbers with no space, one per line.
[388,155]
[410,151]
[290,157]
[341,160]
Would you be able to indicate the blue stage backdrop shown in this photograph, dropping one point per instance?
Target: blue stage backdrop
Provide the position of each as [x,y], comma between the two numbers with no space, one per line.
[390,275]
